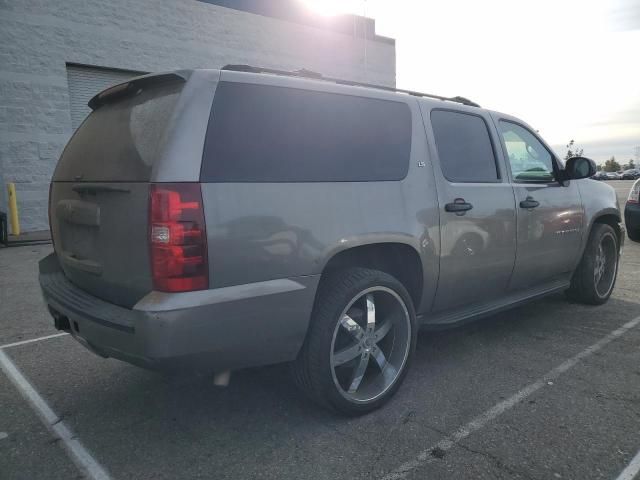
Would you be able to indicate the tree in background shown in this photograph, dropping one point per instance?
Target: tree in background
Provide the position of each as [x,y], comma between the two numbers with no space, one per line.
[573,150]
[611,165]
[631,163]
[598,168]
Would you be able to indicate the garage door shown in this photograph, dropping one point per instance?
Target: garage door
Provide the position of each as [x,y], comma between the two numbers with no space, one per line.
[85,82]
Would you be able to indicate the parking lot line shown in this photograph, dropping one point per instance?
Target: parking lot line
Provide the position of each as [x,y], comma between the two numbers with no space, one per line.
[78,453]
[39,339]
[632,469]
[483,419]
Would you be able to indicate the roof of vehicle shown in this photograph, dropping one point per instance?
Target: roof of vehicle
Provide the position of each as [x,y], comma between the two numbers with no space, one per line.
[126,87]
[302,75]
[308,74]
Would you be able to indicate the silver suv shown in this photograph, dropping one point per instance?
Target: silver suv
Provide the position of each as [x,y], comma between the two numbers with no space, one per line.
[221,219]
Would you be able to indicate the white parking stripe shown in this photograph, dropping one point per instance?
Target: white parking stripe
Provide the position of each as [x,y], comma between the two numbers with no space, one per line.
[39,339]
[88,465]
[481,420]
[632,469]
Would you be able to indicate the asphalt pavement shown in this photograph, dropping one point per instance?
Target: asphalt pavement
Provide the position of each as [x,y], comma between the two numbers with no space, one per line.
[547,390]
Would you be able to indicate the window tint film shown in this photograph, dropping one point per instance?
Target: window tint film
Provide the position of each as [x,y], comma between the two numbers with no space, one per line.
[464,147]
[529,159]
[120,140]
[260,133]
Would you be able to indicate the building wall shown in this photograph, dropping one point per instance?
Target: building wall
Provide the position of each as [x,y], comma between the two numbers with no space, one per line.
[38,38]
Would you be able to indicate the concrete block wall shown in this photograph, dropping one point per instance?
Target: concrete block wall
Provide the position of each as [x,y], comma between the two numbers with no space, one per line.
[38,38]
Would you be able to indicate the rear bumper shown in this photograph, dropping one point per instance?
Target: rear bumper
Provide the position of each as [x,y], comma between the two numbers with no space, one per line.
[210,330]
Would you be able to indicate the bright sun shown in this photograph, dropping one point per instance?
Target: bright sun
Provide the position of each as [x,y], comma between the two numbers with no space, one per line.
[333,7]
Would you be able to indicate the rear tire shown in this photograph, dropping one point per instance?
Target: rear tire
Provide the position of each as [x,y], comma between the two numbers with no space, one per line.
[595,277]
[360,342]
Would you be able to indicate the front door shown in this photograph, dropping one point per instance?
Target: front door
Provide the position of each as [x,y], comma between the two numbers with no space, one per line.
[550,216]
[477,209]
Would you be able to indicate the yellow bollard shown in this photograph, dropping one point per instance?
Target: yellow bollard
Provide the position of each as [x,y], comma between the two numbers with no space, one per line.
[13,209]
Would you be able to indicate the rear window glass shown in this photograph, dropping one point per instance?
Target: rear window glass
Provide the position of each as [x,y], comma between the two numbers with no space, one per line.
[464,147]
[260,133]
[120,141]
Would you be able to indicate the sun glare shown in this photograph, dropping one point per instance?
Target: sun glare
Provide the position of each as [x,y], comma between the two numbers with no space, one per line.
[526,58]
[333,7]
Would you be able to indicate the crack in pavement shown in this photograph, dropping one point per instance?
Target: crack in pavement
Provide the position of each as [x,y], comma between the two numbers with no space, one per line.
[404,420]
[497,461]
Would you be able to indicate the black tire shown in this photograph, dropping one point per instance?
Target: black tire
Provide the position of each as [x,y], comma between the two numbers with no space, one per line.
[584,287]
[314,371]
[634,235]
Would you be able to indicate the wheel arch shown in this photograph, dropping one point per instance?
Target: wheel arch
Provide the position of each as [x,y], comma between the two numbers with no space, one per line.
[398,259]
[609,217]
[584,288]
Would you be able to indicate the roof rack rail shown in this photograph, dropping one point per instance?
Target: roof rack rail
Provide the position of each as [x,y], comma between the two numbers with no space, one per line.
[304,73]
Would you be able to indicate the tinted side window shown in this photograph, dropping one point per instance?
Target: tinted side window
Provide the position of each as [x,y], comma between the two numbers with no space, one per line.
[529,159]
[260,133]
[464,147]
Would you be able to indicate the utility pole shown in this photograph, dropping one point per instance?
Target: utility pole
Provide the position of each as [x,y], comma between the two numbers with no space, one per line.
[364,7]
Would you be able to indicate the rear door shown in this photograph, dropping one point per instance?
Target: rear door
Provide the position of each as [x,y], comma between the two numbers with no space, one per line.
[477,210]
[550,215]
[99,198]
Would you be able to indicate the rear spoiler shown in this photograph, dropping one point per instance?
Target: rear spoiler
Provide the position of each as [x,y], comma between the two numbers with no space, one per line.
[131,86]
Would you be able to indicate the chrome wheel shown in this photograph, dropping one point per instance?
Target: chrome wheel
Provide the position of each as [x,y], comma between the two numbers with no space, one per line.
[370,345]
[605,265]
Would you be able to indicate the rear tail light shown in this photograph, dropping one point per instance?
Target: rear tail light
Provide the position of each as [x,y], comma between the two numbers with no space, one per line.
[177,237]
[634,193]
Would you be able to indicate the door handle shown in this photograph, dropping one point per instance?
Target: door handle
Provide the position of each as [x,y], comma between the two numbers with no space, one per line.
[529,202]
[458,206]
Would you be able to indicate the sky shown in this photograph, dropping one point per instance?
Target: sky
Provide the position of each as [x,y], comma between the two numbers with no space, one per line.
[569,68]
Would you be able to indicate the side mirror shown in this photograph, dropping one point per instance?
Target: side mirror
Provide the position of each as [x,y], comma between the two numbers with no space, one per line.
[579,167]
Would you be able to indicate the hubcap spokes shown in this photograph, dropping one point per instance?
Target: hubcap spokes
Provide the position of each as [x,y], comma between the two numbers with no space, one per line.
[600,263]
[369,358]
[605,265]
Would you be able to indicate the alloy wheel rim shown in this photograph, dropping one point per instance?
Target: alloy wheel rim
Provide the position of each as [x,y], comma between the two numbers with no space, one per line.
[370,344]
[605,265]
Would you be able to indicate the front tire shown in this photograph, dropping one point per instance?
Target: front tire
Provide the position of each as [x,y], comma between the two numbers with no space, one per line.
[595,277]
[361,339]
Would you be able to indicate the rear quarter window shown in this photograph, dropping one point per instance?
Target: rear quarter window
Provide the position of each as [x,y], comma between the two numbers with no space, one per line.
[120,141]
[260,133]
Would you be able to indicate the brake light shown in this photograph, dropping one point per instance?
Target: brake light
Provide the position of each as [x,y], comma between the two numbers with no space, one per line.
[177,238]
[634,193]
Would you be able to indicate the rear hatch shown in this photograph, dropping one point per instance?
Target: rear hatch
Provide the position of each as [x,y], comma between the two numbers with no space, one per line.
[99,200]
